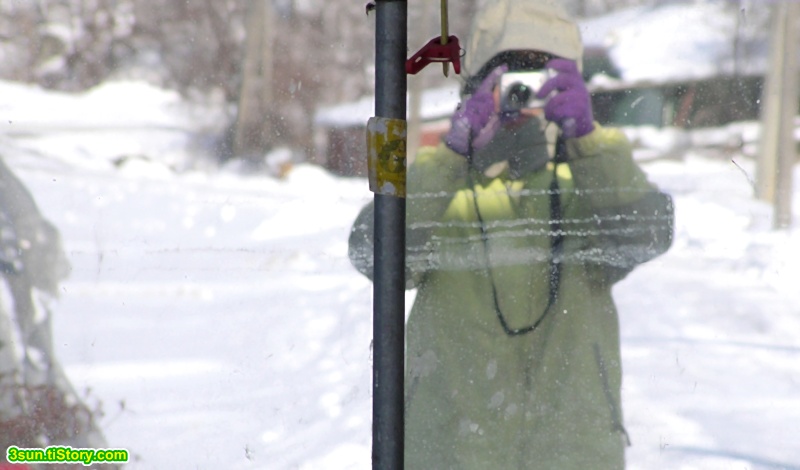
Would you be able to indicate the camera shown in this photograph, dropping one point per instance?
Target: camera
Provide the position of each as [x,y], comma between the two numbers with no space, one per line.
[518,90]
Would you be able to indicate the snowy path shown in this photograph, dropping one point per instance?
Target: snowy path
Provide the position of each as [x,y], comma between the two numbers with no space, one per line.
[220,324]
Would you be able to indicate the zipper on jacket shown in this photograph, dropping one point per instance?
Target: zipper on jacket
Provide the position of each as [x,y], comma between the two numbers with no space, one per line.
[616,416]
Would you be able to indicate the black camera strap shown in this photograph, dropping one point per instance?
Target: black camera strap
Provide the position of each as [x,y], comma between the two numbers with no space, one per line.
[556,236]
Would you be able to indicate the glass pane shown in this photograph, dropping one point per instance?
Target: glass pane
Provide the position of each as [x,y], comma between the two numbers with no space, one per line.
[186,209]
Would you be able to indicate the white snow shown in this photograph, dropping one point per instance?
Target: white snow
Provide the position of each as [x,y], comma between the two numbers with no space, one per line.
[113,122]
[217,318]
[681,41]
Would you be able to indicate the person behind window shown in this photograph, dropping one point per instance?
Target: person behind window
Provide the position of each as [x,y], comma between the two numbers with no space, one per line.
[518,226]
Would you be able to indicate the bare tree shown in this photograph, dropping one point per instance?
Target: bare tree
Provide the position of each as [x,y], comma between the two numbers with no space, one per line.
[253,129]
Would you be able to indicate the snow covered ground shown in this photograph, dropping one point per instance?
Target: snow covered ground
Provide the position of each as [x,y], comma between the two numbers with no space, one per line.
[217,319]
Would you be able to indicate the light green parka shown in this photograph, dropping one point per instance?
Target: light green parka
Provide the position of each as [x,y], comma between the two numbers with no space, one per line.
[477,397]
[479,250]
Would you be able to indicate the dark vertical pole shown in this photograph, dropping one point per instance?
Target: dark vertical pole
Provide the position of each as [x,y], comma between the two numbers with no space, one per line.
[389,277]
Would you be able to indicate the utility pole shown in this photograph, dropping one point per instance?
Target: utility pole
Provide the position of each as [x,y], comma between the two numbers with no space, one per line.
[778,147]
[387,170]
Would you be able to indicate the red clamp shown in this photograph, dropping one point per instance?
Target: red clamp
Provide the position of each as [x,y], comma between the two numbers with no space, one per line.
[435,51]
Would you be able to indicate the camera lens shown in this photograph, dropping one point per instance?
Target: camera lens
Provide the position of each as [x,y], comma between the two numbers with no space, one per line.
[517,96]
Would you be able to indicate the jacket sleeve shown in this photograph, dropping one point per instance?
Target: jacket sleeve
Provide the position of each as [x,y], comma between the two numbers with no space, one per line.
[433,178]
[623,219]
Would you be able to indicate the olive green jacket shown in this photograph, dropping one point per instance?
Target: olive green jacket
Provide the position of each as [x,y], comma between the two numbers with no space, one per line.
[478,251]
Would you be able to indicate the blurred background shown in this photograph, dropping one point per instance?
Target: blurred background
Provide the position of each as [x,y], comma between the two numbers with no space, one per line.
[203,162]
[275,69]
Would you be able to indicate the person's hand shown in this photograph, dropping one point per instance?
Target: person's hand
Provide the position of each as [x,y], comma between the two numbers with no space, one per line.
[475,121]
[571,107]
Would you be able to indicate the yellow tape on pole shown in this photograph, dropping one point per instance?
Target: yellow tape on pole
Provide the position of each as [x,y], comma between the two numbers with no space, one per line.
[386,156]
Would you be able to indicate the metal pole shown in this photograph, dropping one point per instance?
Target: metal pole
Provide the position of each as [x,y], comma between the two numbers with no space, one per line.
[389,276]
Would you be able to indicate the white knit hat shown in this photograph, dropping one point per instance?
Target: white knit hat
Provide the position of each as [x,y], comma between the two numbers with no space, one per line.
[509,25]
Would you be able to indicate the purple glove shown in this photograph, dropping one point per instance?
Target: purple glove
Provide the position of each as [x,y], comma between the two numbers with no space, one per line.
[571,107]
[475,119]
